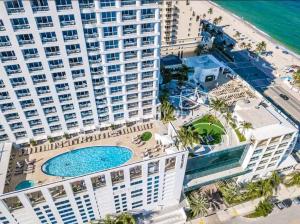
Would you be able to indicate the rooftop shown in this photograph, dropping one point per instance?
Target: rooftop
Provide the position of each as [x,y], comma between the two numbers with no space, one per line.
[204,62]
[266,120]
[17,169]
[170,60]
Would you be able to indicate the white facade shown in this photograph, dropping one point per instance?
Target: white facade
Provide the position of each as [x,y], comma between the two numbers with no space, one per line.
[180,28]
[139,187]
[272,137]
[205,68]
[74,66]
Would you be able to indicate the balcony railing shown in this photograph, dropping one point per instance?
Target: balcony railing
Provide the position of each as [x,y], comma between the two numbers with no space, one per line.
[40,8]
[15,10]
[89,21]
[5,44]
[63,7]
[21,27]
[86,5]
[43,25]
[67,23]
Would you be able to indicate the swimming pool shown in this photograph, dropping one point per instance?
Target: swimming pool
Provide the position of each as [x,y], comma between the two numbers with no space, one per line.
[86,160]
[24,184]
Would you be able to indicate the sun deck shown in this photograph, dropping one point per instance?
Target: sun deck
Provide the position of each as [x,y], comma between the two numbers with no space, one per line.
[25,164]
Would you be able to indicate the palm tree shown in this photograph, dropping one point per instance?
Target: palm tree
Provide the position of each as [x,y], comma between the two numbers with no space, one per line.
[237,34]
[266,188]
[293,179]
[249,46]
[253,190]
[109,219]
[275,180]
[220,18]
[210,11]
[245,126]
[215,21]
[184,71]
[230,191]
[228,117]
[260,47]
[217,105]
[243,45]
[188,136]
[199,204]
[167,112]
[166,74]
[125,218]
[296,78]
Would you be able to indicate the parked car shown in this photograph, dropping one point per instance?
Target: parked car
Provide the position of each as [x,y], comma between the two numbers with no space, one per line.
[296,200]
[287,202]
[285,97]
[280,205]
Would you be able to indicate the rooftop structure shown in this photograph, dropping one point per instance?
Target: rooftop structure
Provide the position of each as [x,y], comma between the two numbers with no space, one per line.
[150,179]
[206,68]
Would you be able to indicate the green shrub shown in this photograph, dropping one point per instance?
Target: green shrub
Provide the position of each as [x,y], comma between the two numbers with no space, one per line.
[264,208]
[146,136]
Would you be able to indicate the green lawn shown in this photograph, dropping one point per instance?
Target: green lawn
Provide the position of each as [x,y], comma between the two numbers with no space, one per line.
[209,125]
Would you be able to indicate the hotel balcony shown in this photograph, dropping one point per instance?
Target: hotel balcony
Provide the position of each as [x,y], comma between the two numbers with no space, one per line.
[135,172]
[36,198]
[29,56]
[57,192]
[147,16]
[89,21]
[39,8]
[8,58]
[5,44]
[153,168]
[15,10]
[63,7]
[44,25]
[117,177]
[69,38]
[48,40]
[67,23]
[13,203]
[21,27]
[86,5]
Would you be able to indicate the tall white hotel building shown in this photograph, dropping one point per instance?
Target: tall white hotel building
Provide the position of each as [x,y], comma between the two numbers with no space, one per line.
[70,66]
[74,66]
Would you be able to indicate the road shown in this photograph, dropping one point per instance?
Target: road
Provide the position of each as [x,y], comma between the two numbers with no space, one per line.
[291,106]
[286,216]
[263,82]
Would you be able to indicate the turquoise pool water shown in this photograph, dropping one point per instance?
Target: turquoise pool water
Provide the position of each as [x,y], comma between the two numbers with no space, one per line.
[86,160]
[24,184]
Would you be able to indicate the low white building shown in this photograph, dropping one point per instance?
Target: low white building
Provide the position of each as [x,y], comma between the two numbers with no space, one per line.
[272,138]
[205,68]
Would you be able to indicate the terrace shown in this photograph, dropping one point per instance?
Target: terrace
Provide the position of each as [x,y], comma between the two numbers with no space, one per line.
[26,163]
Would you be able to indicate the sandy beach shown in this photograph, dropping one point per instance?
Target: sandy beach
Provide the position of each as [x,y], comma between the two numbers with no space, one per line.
[280,59]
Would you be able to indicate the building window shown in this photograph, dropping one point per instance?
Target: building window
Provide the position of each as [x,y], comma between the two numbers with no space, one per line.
[108,17]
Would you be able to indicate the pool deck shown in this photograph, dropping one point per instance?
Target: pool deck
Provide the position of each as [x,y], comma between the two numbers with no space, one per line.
[126,140]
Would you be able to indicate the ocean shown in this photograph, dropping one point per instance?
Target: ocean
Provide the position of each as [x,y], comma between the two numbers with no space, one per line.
[280,19]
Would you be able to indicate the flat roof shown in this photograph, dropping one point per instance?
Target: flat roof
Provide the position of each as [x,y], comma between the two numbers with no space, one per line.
[250,110]
[204,62]
[171,60]
[265,119]
[41,153]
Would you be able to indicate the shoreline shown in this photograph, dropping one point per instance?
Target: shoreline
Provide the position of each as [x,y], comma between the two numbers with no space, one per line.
[259,31]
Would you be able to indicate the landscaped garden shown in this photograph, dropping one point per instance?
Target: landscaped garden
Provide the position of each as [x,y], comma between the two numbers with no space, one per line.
[210,129]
